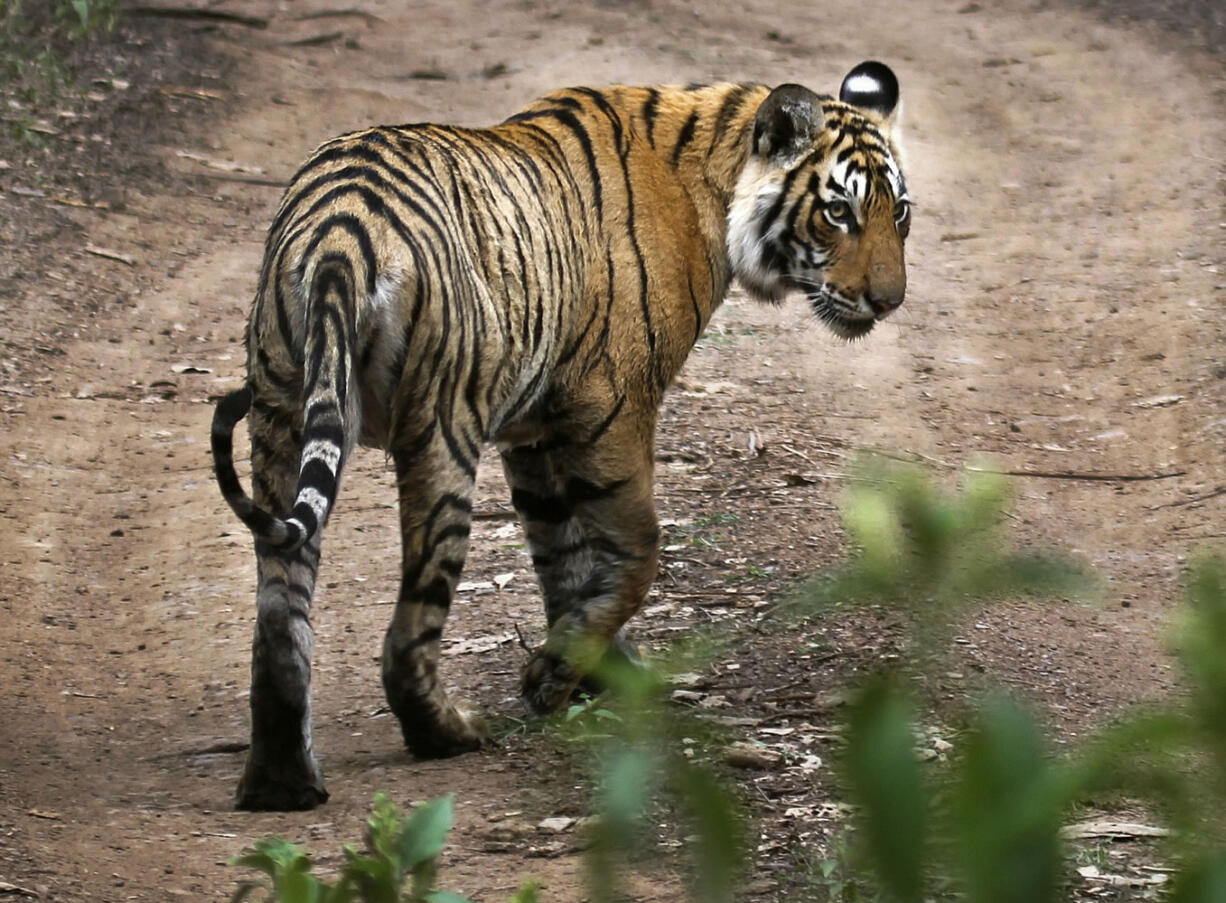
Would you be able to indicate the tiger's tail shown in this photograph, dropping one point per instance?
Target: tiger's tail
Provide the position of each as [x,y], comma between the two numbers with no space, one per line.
[326,435]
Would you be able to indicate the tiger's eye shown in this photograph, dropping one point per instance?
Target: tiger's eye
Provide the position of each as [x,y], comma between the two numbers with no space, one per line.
[901,211]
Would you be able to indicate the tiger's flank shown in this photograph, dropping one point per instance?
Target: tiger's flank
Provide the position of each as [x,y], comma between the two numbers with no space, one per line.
[428,290]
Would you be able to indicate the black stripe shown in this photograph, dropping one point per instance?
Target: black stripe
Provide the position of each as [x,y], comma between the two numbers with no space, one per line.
[606,423]
[344,222]
[429,635]
[650,112]
[571,122]
[318,475]
[286,385]
[463,461]
[436,594]
[284,328]
[451,531]
[698,324]
[331,433]
[732,104]
[773,213]
[304,514]
[579,490]
[546,509]
[685,137]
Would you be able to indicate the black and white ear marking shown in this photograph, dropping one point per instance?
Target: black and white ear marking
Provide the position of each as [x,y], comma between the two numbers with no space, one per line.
[871,86]
[787,121]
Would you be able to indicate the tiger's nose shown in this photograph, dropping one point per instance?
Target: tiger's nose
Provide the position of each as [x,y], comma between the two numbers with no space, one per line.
[884,302]
[886,289]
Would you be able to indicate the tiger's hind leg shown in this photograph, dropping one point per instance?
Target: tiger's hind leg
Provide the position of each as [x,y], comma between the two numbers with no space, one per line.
[435,489]
[281,772]
[590,519]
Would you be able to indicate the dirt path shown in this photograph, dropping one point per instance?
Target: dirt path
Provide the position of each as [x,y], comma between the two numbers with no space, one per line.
[1064,316]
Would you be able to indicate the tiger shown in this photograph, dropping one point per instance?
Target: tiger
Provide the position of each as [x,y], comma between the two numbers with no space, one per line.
[536,285]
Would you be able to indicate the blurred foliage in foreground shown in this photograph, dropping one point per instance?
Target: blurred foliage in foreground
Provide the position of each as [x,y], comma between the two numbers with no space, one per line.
[934,555]
[983,828]
[986,828]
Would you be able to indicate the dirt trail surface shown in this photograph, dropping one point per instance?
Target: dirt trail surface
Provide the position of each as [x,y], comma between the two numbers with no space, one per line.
[1064,317]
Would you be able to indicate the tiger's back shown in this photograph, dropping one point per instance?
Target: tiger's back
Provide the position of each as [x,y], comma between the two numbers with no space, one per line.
[427,289]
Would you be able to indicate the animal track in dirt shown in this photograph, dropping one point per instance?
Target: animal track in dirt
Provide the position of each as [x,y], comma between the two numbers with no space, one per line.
[1064,317]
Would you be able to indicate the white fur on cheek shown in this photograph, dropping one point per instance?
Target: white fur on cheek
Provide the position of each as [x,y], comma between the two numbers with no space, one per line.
[756,190]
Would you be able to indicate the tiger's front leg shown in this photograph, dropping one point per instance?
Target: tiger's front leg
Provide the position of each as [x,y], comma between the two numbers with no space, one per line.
[590,519]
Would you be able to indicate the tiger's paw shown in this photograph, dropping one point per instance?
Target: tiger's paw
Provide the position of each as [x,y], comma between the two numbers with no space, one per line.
[622,655]
[548,681]
[462,731]
[266,787]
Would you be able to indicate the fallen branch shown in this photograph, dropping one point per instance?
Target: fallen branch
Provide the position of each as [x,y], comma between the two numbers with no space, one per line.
[337,14]
[1086,477]
[493,514]
[110,255]
[1221,490]
[188,12]
[315,40]
[213,749]
[1112,829]
[192,93]
[6,888]
[246,180]
[795,715]
[523,644]
[912,457]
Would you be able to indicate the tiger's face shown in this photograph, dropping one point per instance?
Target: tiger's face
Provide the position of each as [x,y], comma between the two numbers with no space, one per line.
[821,206]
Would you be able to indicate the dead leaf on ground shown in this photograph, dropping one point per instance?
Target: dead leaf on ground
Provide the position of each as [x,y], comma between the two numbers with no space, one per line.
[758,758]
[1086,829]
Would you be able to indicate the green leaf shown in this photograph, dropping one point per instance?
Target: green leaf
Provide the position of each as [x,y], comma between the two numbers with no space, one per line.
[1008,807]
[445,896]
[425,833]
[377,879]
[298,886]
[270,856]
[884,778]
[625,788]
[1203,648]
[527,893]
[719,850]
[1202,881]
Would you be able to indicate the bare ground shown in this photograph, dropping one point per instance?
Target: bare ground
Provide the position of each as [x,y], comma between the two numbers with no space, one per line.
[1066,283]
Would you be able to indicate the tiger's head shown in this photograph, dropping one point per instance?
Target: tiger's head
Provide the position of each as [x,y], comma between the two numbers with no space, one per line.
[821,205]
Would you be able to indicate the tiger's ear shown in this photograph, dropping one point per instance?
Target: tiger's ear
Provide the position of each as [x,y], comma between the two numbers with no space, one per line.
[872,86]
[786,122]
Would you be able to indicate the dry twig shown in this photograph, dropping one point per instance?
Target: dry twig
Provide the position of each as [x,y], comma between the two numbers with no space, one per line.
[189,12]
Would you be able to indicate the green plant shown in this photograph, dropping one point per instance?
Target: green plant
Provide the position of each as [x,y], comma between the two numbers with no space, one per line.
[987,826]
[33,42]
[399,863]
[84,17]
[934,554]
[638,742]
